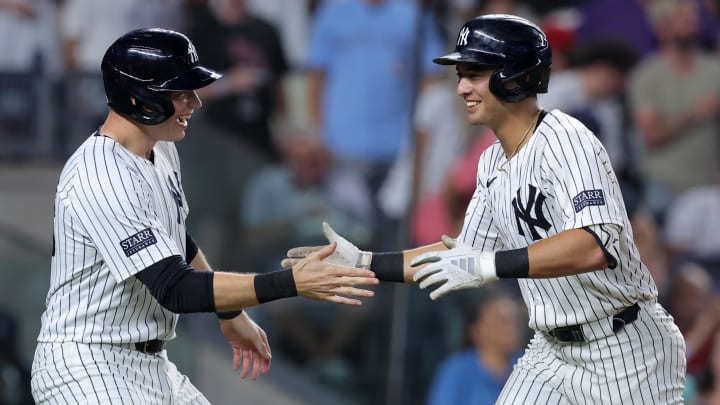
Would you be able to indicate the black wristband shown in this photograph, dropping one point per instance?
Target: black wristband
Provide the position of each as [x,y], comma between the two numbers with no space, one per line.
[275,285]
[512,263]
[228,315]
[388,266]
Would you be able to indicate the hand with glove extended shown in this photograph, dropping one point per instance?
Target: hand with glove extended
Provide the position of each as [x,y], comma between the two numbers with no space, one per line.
[345,254]
[456,269]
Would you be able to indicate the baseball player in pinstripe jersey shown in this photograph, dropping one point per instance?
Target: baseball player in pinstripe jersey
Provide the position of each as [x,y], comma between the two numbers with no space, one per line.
[123,265]
[547,210]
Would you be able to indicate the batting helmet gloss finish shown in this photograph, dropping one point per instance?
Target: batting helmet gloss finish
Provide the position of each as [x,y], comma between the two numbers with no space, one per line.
[142,66]
[518,49]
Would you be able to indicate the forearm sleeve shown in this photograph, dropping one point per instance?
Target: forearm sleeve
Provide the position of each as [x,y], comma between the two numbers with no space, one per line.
[178,287]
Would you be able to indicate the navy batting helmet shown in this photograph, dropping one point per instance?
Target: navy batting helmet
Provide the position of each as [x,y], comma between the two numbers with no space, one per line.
[144,65]
[516,47]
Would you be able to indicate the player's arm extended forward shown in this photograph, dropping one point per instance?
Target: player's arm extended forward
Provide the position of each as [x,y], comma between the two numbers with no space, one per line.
[570,252]
[183,289]
[311,278]
[388,266]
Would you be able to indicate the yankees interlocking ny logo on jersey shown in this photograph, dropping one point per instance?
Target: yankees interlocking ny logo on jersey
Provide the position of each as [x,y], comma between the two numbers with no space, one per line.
[463,37]
[525,213]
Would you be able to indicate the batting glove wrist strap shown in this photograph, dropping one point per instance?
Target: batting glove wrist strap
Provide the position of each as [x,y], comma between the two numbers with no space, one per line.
[512,263]
[388,266]
[275,285]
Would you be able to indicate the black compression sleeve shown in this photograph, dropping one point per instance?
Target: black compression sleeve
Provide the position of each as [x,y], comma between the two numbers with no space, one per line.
[178,287]
[191,248]
[388,266]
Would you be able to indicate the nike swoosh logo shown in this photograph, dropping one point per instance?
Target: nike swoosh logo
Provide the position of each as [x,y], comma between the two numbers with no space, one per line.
[490,181]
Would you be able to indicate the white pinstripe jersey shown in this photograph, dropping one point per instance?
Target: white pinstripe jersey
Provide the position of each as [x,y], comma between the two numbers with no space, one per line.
[561,179]
[115,214]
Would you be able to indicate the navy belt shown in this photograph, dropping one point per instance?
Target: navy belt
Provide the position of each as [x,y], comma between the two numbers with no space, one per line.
[151,346]
[574,333]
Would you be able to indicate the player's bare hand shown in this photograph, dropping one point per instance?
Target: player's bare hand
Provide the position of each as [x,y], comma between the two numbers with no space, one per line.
[249,344]
[346,254]
[319,280]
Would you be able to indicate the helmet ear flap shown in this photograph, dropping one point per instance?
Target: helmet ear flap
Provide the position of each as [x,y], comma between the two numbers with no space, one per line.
[498,87]
[151,107]
[529,82]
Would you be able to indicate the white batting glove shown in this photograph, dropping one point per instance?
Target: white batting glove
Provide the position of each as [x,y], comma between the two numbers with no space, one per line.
[456,269]
[345,254]
[448,241]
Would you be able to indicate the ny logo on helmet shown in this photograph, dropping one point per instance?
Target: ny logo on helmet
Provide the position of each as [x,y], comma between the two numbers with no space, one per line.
[193,54]
[463,37]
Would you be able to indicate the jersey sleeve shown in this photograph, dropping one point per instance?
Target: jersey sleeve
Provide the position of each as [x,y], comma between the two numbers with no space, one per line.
[578,175]
[113,203]
[479,227]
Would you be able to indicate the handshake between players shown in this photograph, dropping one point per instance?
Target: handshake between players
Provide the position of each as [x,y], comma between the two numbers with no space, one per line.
[446,265]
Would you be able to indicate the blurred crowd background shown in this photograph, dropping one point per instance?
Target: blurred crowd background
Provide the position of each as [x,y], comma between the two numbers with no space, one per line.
[332,110]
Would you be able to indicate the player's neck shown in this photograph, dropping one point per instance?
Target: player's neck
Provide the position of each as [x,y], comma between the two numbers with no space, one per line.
[517,129]
[128,134]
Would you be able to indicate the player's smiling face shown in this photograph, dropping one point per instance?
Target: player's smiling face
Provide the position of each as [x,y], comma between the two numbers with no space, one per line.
[473,88]
[185,103]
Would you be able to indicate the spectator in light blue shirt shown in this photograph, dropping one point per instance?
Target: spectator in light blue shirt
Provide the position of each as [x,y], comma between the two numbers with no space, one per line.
[364,61]
[476,375]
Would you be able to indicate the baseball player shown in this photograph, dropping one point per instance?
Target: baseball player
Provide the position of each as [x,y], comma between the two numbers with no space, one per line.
[547,210]
[123,265]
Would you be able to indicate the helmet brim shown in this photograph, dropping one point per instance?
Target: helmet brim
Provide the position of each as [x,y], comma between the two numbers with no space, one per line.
[193,79]
[475,58]
[449,59]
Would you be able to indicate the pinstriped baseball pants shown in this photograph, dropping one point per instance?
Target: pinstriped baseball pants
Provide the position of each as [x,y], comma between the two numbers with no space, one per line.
[77,373]
[644,363]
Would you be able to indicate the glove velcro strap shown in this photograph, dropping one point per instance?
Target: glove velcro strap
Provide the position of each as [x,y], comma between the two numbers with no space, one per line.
[364,260]
[275,285]
[512,263]
[388,266]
